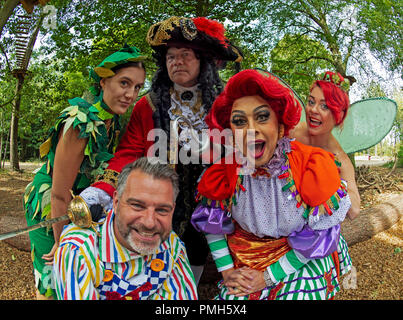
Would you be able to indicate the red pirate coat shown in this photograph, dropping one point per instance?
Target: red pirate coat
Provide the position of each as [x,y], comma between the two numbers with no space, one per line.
[133,145]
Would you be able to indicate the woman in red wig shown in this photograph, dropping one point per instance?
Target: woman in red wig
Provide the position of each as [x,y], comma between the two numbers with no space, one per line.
[327,108]
[272,220]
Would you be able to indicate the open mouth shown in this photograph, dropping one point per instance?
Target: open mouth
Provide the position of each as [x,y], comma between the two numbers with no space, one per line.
[146,236]
[313,122]
[256,148]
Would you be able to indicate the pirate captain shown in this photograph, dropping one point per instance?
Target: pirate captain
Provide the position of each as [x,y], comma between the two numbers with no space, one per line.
[188,54]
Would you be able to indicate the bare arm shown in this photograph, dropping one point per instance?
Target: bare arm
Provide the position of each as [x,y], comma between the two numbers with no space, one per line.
[347,173]
[68,157]
[300,133]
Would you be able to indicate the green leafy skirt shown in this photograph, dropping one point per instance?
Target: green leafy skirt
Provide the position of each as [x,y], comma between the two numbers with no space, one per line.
[37,209]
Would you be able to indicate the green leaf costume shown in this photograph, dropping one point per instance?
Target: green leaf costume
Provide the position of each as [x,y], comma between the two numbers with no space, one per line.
[89,119]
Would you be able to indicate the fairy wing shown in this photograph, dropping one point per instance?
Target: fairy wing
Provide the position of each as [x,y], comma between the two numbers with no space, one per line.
[368,121]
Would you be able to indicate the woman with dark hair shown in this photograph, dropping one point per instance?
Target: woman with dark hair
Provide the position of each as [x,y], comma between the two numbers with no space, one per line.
[79,145]
[327,108]
[187,52]
[272,218]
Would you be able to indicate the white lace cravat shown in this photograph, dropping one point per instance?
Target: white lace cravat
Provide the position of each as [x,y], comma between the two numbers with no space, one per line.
[192,109]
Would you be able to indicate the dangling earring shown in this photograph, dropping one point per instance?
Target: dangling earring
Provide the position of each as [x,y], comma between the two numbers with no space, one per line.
[280,131]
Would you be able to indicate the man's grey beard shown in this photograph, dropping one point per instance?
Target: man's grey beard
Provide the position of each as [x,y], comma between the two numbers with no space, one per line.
[139,248]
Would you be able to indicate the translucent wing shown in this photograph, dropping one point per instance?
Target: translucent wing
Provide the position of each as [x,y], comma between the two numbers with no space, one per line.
[368,121]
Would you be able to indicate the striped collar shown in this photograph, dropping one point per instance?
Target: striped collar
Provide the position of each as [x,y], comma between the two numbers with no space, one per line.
[110,250]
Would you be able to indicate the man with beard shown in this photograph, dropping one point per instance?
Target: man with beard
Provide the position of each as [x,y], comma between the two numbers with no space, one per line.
[133,254]
[188,53]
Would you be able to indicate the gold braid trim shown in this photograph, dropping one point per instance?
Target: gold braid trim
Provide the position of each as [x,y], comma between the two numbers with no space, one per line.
[159,33]
[110,177]
[150,102]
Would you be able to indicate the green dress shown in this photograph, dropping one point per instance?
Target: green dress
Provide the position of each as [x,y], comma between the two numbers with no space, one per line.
[89,119]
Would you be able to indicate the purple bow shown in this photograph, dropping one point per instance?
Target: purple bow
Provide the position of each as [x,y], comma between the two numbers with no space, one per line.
[314,244]
[212,220]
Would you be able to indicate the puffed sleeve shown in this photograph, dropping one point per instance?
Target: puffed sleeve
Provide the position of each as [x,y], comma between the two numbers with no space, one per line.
[212,216]
[314,244]
[215,193]
[213,220]
[317,181]
[325,199]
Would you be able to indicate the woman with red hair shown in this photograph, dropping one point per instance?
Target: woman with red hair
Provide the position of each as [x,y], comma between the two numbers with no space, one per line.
[272,220]
[327,108]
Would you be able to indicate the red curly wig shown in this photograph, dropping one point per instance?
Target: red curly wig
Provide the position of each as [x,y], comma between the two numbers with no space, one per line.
[250,83]
[336,98]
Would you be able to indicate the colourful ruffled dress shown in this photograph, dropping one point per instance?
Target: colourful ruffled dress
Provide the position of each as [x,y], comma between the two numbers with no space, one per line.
[284,218]
[89,119]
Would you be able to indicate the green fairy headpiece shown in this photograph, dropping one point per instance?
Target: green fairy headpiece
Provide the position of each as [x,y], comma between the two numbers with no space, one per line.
[337,79]
[104,69]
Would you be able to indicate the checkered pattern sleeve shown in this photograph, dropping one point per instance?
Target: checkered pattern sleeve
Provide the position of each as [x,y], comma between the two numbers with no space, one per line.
[74,268]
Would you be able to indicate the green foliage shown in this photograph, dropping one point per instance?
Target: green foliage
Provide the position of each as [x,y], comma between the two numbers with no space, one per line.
[298,60]
[87,31]
[296,39]
[400,156]
[345,28]
[384,30]
[44,95]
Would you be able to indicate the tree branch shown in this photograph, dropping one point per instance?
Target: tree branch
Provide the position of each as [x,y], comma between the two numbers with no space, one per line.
[8,102]
[5,56]
[314,57]
[349,49]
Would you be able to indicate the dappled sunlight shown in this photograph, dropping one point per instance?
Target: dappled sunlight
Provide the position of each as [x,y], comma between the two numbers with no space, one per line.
[12,186]
[378,267]
[393,236]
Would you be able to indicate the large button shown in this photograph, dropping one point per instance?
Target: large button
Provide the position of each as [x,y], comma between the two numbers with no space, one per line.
[157,265]
[108,276]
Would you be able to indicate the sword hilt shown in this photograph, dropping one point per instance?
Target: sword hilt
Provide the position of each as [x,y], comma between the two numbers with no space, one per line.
[79,213]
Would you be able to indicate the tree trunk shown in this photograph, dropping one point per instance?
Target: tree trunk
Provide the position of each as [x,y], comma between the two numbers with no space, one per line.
[20,75]
[14,161]
[1,137]
[6,12]
[373,220]
[3,160]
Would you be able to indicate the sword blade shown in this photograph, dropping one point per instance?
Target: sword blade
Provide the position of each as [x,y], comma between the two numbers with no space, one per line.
[34,227]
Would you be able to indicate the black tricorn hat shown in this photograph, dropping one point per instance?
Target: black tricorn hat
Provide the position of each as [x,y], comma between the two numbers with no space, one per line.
[198,33]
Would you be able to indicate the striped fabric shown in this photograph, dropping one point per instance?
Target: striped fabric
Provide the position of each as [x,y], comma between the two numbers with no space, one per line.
[219,251]
[315,280]
[88,267]
[287,264]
